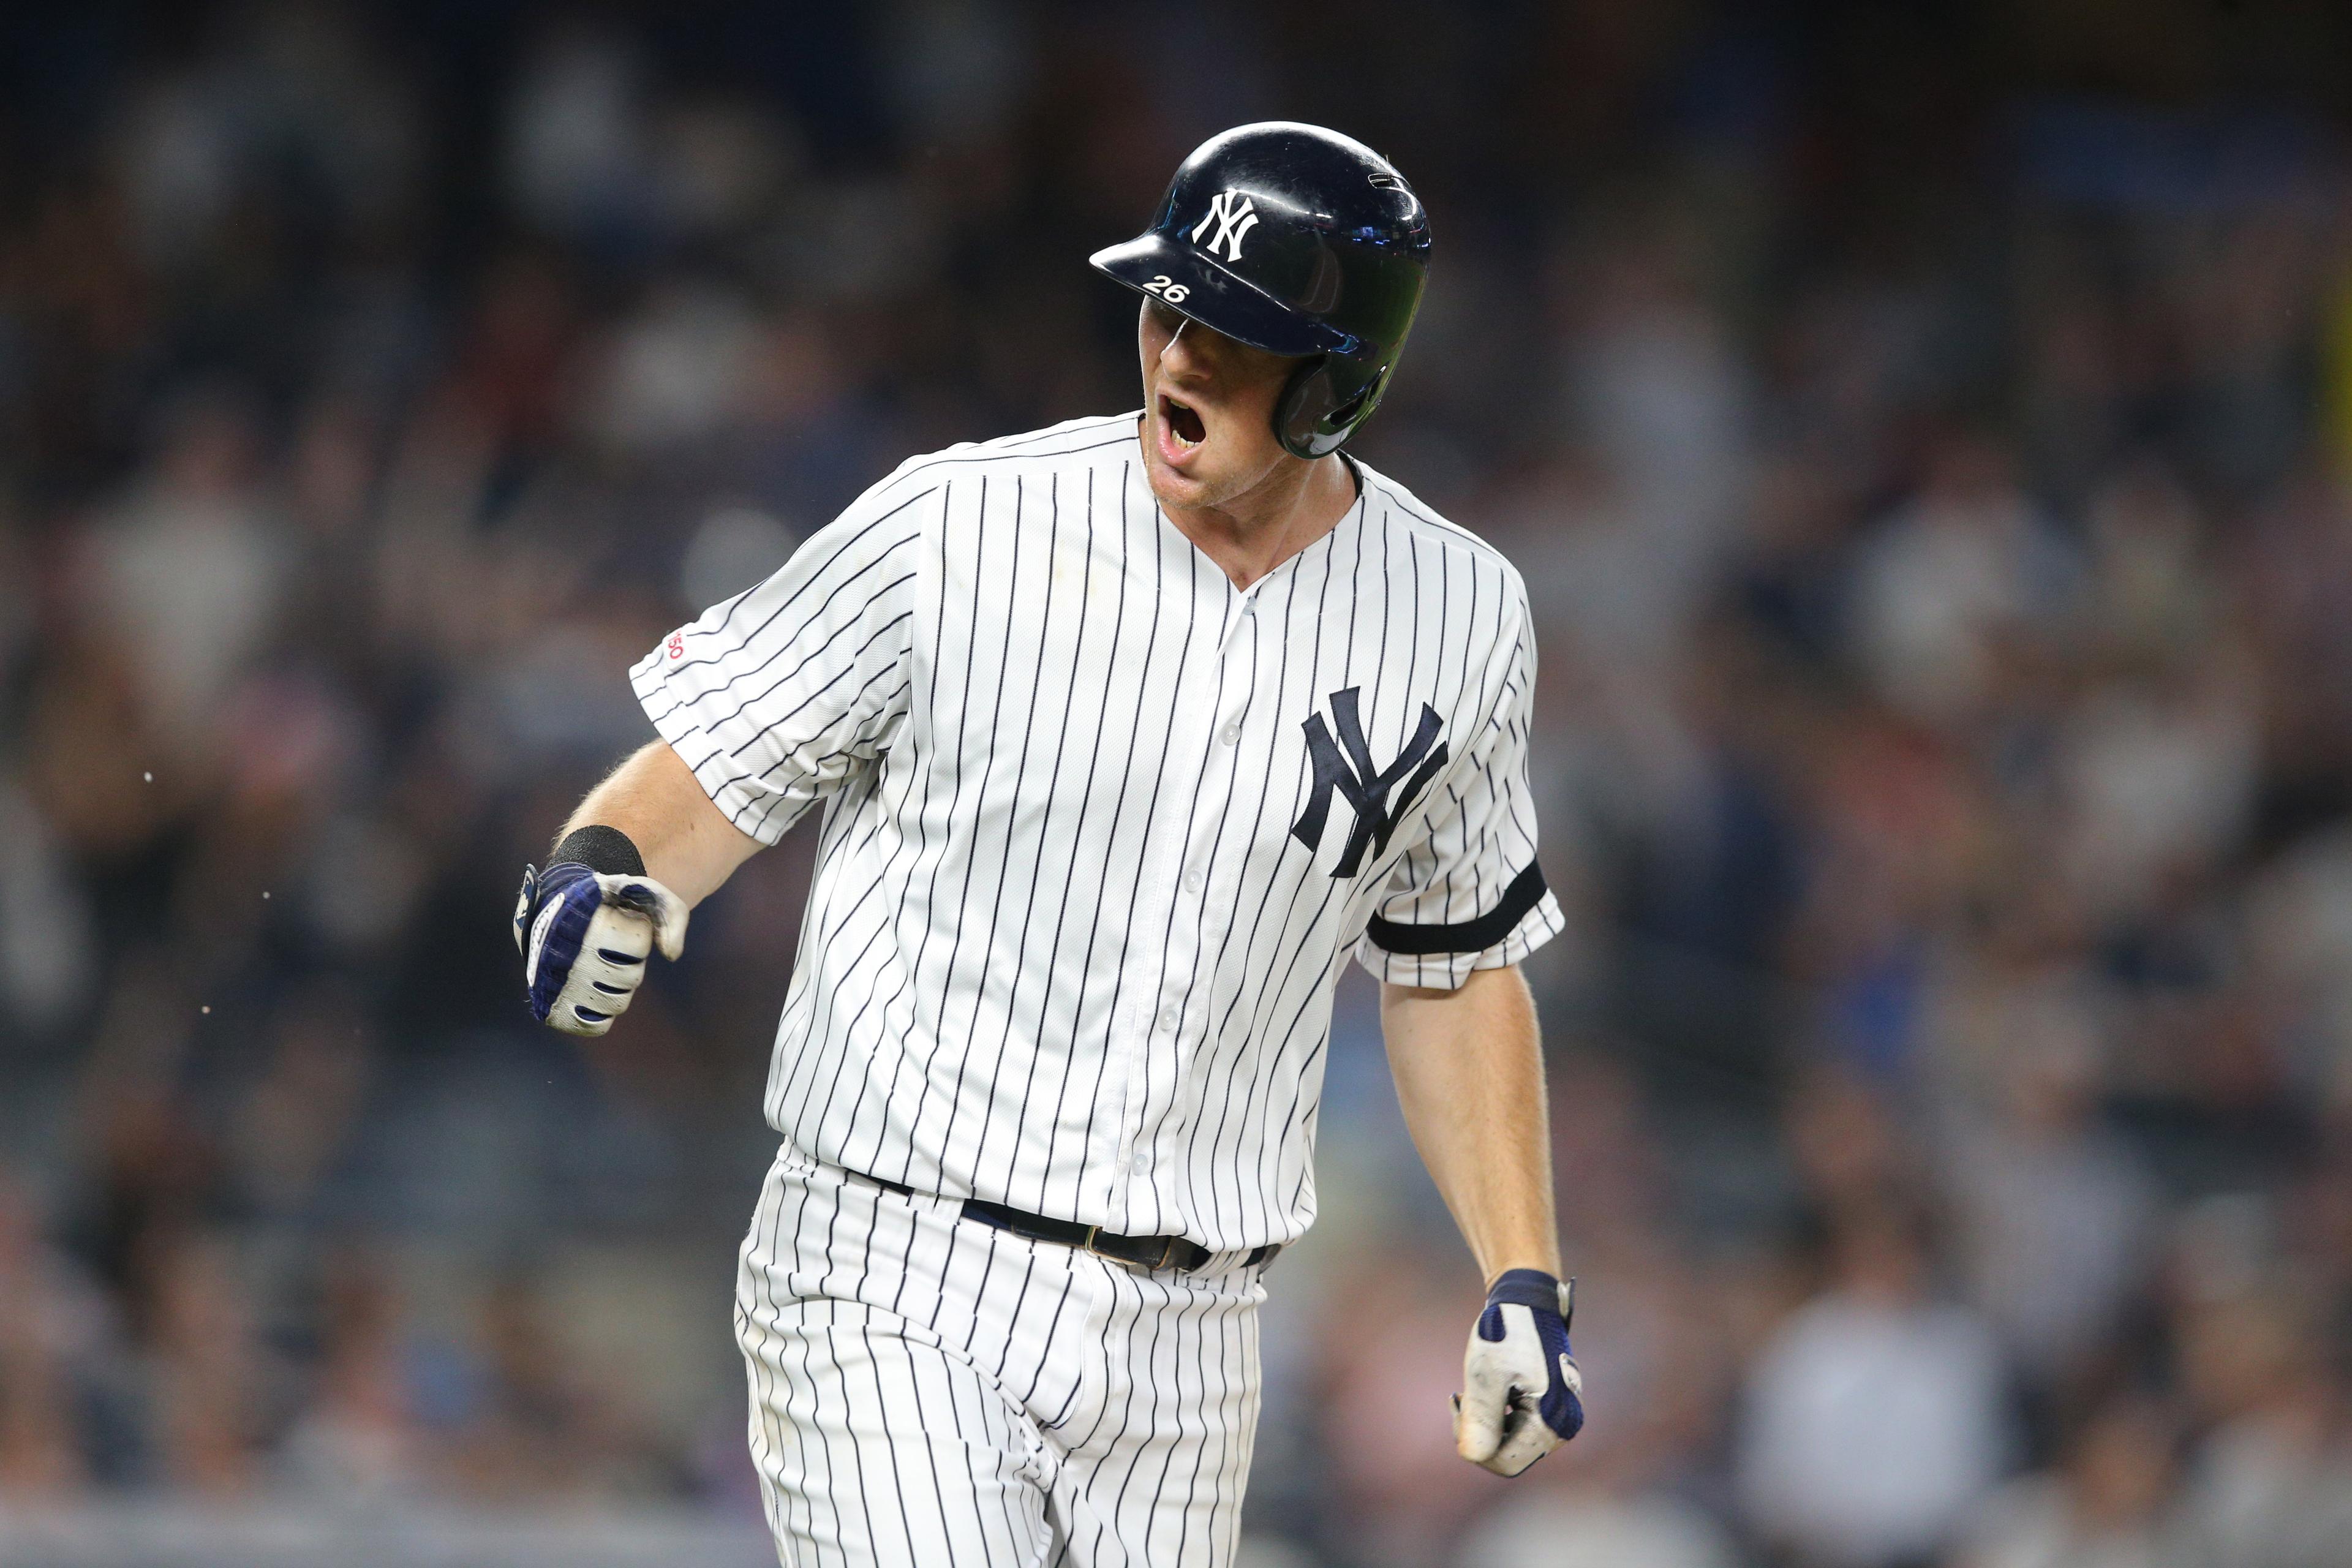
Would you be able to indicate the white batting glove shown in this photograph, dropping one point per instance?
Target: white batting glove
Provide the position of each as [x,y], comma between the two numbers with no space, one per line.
[584,939]
[1521,1394]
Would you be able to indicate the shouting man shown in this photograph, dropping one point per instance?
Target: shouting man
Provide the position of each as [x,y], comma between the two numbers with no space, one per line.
[1128,732]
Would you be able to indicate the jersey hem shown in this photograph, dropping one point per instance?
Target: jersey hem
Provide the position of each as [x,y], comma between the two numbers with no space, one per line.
[650,680]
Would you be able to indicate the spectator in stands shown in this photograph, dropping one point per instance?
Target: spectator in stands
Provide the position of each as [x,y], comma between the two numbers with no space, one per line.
[1877,1416]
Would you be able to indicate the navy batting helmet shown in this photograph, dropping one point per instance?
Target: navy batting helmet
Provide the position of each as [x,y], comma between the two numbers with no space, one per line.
[1298,241]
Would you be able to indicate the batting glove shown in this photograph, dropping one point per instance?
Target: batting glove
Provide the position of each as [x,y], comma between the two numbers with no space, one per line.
[1522,1396]
[584,938]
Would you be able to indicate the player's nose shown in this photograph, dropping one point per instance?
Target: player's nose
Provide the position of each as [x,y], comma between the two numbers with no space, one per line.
[1178,355]
[1191,353]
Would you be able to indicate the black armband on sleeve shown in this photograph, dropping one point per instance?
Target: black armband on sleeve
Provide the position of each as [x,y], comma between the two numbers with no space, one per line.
[1527,889]
[604,850]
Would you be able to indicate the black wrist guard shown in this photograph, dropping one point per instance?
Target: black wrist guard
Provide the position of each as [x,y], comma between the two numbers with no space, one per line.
[604,850]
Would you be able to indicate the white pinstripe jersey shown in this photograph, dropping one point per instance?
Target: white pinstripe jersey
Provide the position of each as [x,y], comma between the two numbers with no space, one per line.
[1100,828]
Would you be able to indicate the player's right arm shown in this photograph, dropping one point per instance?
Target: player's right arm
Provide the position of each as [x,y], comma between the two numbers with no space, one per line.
[765,704]
[647,846]
[656,802]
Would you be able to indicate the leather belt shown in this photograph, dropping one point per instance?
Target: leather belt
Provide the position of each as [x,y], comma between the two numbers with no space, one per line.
[1148,1253]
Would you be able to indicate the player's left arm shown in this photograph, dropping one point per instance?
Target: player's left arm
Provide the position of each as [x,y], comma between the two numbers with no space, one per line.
[1468,1066]
[1469,1073]
[1464,905]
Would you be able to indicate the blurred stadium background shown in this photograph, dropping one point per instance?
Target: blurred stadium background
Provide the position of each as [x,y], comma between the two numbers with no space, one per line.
[1924,428]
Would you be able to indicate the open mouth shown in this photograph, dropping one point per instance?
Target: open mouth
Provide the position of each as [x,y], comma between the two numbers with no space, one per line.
[1182,422]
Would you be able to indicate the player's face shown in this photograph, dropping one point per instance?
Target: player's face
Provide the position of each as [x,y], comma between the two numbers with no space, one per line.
[1208,428]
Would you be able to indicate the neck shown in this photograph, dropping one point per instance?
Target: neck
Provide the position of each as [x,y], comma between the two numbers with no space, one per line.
[1258,530]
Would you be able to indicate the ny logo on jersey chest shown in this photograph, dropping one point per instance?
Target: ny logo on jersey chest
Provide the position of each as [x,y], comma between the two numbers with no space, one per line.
[1346,767]
[1234,212]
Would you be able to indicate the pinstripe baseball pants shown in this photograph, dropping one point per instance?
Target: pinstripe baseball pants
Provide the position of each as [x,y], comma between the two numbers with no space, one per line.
[929,1390]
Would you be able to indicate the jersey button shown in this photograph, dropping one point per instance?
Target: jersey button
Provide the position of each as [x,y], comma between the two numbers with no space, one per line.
[1230,734]
[1192,881]
[1168,1020]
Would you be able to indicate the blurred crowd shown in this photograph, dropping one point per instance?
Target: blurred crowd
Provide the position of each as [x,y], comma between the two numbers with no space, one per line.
[1931,462]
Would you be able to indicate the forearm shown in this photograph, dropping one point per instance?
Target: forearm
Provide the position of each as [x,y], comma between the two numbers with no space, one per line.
[1469,1075]
[689,845]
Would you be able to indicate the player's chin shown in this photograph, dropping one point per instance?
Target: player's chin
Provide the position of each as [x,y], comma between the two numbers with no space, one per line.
[1181,485]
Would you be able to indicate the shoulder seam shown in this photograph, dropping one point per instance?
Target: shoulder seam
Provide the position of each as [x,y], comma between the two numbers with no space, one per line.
[1008,445]
[1448,532]
[1445,526]
[985,452]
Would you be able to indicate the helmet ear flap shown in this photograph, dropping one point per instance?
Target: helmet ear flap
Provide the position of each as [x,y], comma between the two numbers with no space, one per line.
[1319,408]
[1299,413]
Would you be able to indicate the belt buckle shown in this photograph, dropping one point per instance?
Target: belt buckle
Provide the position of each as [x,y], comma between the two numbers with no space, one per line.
[1167,1246]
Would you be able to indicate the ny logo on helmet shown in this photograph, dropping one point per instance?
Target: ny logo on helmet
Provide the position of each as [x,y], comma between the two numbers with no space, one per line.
[1234,214]
[1365,787]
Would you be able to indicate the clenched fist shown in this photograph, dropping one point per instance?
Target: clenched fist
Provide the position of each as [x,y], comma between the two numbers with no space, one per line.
[1521,1394]
[584,939]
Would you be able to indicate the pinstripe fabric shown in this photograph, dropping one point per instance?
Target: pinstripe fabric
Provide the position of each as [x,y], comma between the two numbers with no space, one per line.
[928,1390]
[1071,944]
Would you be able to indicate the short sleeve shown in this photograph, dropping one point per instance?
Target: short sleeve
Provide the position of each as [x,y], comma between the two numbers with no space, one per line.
[776,696]
[1470,896]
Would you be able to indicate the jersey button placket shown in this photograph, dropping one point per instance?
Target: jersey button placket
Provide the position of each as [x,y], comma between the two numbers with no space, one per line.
[1198,698]
[1170,1018]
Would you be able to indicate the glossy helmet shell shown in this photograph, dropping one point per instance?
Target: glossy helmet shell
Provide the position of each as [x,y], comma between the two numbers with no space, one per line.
[1301,242]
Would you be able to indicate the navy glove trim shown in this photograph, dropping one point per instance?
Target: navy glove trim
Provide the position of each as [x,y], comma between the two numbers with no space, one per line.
[1526,1287]
[574,886]
[1540,1293]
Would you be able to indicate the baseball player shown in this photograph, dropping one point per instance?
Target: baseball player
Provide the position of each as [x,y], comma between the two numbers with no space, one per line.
[1129,733]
